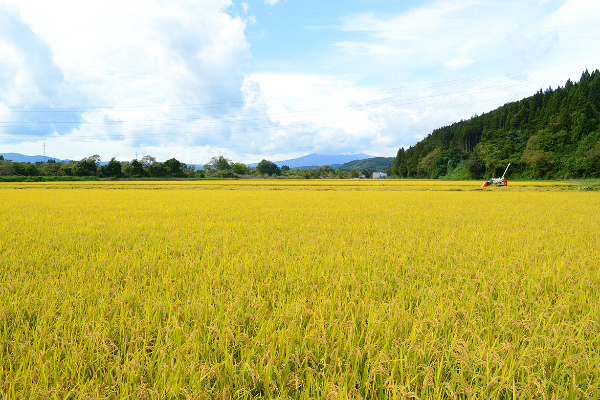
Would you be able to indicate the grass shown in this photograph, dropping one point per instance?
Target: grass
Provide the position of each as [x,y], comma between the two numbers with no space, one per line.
[285,289]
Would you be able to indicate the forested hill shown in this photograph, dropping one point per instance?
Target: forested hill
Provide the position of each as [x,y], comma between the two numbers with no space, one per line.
[553,134]
[374,164]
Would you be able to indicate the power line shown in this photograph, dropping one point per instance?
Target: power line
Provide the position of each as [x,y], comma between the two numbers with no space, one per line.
[268,128]
[269,117]
[296,100]
[235,118]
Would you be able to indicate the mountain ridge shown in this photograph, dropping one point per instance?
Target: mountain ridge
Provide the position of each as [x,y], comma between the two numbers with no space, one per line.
[375,164]
[318,160]
[18,157]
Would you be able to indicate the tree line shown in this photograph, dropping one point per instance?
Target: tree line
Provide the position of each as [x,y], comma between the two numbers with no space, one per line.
[148,167]
[91,167]
[553,134]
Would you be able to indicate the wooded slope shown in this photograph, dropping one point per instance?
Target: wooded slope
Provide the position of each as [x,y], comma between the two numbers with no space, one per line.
[553,134]
[375,164]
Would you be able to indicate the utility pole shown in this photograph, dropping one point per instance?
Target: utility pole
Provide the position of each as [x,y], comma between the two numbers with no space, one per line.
[45,160]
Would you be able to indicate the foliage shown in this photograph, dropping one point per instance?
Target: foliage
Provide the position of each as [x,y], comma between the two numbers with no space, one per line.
[48,178]
[174,167]
[240,169]
[268,167]
[368,173]
[148,167]
[374,164]
[25,169]
[87,166]
[219,163]
[112,169]
[6,168]
[135,169]
[549,135]
[223,174]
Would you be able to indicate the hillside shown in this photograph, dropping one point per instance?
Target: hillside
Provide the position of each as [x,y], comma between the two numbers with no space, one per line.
[553,134]
[375,164]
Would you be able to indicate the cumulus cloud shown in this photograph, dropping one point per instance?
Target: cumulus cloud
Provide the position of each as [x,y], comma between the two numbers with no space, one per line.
[312,113]
[452,34]
[29,80]
[174,79]
[151,73]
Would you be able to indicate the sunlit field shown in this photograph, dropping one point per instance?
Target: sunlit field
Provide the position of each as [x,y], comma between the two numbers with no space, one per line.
[299,289]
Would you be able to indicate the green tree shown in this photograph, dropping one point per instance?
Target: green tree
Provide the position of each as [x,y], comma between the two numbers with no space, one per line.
[326,170]
[147,162]
[535,158]
[87,166]
[156,170]
[112,169]
[6,168]
[51,169]
[475,167]
[240,168]
[174,167]
[135,169]
[67,169]
[218,163]
[354,173]
[25,169]
[224,164]
[593,160]
[268,167]
[398,166]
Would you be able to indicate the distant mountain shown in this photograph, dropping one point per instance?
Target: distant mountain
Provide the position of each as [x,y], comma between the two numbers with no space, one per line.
[375,164]
[318,160]
[307,167]
[16,157]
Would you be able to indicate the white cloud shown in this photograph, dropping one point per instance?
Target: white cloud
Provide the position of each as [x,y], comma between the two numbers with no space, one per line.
[312,113]
[454,34]
[459,34]
[271,2]
[168,78]
[458,62]
[129,67]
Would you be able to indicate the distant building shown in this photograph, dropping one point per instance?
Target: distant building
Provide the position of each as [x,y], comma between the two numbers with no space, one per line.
[378,175]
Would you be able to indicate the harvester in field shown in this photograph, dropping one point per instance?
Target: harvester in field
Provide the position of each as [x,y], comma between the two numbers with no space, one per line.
[497,181]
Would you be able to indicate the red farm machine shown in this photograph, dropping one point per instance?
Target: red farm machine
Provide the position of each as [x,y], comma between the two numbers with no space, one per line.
[497,181]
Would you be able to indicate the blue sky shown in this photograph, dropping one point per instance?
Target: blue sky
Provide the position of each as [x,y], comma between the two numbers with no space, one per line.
[272,79]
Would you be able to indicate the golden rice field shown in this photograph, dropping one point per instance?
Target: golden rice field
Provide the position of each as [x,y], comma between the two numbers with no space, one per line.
[299,289]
